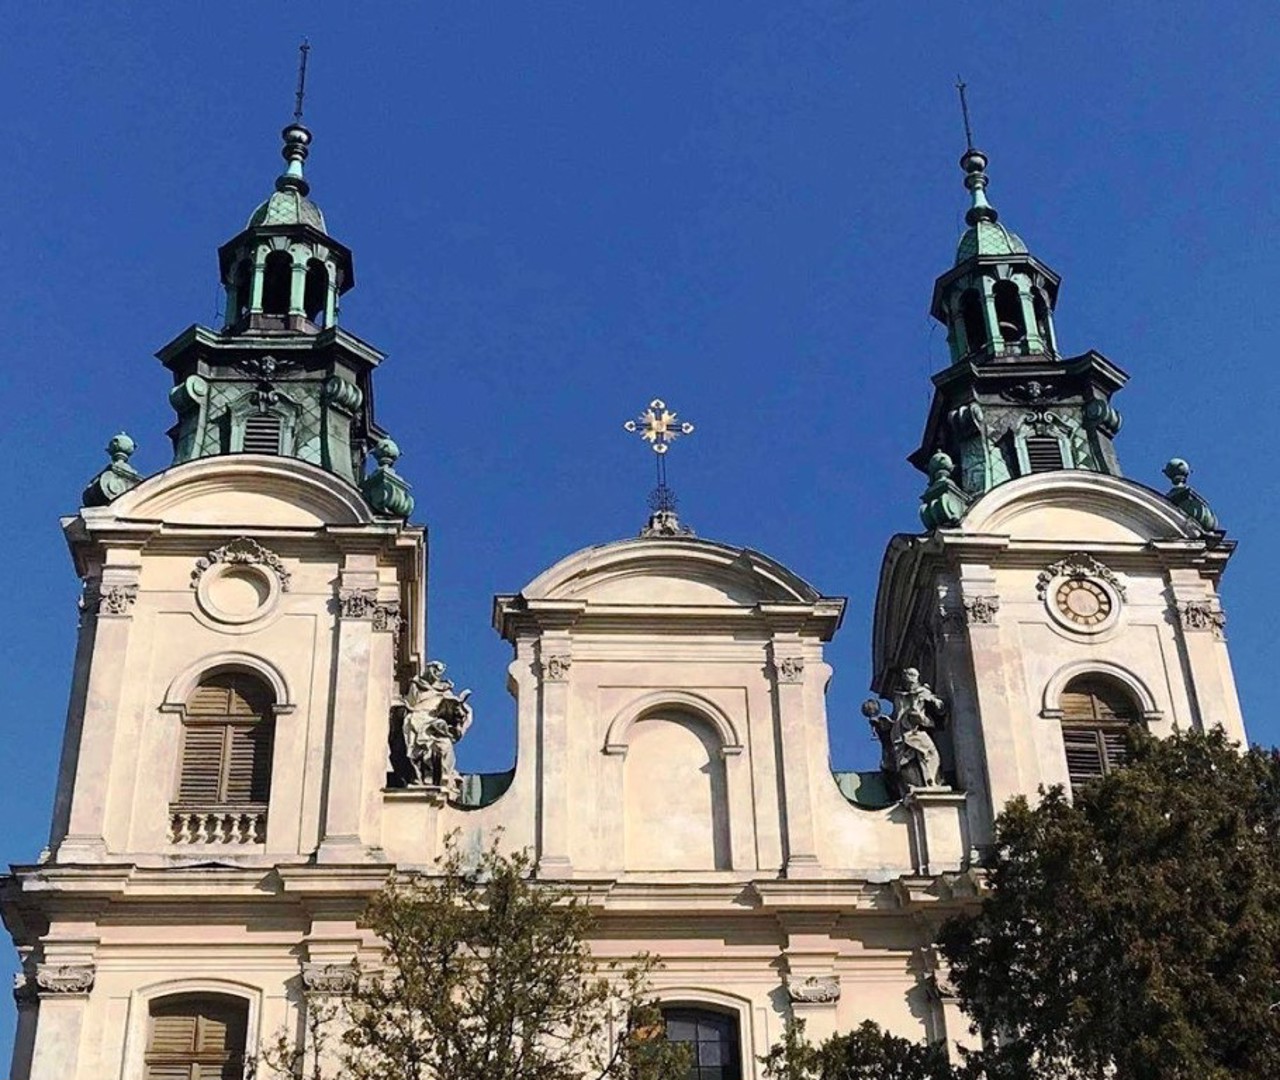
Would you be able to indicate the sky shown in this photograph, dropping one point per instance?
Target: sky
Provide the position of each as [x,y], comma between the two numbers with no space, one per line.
[560,211]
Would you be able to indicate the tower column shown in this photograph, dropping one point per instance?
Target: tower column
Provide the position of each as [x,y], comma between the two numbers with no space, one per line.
[554,665]
[298,288]
[1034,341]
[993,321]
[259,276]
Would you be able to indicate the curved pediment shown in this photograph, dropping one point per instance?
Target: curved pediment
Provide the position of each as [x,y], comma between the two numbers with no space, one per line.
[244,490]
[681,571]
[1072,506]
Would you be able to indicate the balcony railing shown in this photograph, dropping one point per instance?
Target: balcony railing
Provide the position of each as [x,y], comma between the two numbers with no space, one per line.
[245,823]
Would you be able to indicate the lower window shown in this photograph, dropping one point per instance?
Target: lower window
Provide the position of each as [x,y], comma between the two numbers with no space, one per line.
[713,1038]
[197,1038]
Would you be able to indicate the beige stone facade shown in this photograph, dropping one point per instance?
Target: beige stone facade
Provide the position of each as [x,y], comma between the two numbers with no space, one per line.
[672,747]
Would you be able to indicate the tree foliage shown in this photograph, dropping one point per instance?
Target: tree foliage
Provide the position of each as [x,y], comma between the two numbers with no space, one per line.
[1134,933]
[486,974]
[866,1053]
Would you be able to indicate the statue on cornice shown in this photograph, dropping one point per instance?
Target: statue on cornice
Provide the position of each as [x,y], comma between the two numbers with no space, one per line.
[435,718]
[909,756]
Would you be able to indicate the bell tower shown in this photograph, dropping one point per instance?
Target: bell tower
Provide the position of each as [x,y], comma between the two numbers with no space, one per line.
[281,377]
[1009,404]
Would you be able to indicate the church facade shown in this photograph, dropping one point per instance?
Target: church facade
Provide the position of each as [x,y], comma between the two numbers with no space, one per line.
[258,734]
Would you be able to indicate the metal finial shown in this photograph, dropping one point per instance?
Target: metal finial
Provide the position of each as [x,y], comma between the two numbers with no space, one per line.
[660,427]
[962,86]
[301,93]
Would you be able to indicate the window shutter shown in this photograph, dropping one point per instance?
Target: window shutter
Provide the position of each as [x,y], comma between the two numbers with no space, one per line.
[201,764]
[194,1039]
[1084,754]
[248,763]
[1044,453]
[226,746]
[262,434]
[1116,747]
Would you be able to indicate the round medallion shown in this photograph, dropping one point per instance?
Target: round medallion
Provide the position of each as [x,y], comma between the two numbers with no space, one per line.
[1083,602]
[236,593]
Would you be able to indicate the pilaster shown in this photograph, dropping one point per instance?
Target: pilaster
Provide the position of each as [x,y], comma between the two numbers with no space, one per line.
[107,608]
[356,600]
[787,669]
[1211,686]
[553,664]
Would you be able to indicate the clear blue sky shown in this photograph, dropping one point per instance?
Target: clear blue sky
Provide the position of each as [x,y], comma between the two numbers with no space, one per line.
[561,210]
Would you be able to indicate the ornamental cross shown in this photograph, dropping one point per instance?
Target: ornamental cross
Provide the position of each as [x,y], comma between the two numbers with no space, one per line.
[660,427]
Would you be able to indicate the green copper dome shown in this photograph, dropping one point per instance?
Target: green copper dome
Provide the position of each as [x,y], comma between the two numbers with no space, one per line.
[989,238]
[288,207]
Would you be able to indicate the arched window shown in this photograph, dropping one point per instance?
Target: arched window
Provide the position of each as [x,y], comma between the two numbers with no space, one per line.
[712,1038]
[316,294]
[277,283]
[225,782]
[197,1038]
[1096,712]
[971,314]
[1009,317]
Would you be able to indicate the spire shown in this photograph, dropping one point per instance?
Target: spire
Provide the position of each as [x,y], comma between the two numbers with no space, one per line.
[297,137]
[974,163]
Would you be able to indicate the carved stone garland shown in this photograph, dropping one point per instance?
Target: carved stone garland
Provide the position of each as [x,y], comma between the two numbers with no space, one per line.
[1079,565]
[245,552]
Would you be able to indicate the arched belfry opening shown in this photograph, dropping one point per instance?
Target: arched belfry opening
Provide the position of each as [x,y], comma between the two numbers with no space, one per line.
[1097,713]
[276,283]
[315,297]
[1009,314]
[974,323]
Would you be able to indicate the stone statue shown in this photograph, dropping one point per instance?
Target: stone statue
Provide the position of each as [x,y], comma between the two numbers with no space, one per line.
[908,754]
[435,718]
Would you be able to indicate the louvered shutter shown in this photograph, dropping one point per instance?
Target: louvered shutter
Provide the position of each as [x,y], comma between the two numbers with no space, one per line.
[1115,745]
[262,434]
[1085,759]
[226,751]
[248,763]
[1044,453]
[196,1039]
[202,751]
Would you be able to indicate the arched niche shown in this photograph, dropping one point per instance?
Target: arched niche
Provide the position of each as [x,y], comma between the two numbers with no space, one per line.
[675,793]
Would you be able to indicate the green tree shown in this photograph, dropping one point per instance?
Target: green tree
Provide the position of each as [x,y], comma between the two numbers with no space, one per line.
[487,974]
[1135,932]
[866,1053]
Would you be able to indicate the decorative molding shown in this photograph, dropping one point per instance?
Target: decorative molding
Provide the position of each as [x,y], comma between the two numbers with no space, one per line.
[981,610]
[1080,565]
[357,603]
[554,667]
[114,600]
[386,617]
[789,669]
[321,978]
[64,978]
[246,552]
[1198,615]
[813,989]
